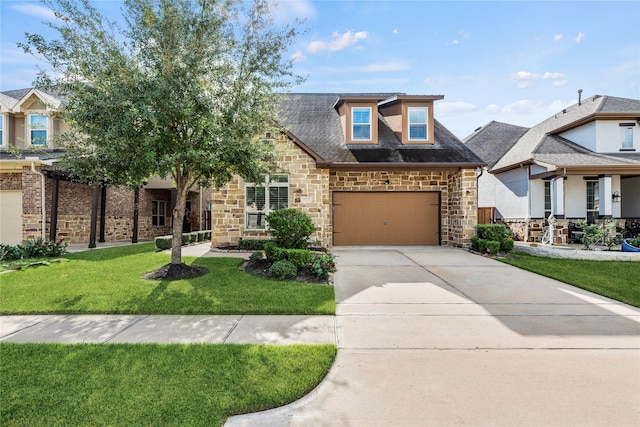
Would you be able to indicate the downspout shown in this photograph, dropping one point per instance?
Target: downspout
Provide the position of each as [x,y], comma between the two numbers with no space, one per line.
[42,190]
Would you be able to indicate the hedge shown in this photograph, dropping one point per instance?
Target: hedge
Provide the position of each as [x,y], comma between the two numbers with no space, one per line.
[252,245]
[298,257]
[164,242]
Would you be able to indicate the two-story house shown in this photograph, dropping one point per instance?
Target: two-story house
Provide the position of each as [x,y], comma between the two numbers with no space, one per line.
[370,169]
[37,199]
[581,163]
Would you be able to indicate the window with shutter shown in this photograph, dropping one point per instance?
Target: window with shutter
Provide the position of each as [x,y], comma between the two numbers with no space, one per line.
[262,198]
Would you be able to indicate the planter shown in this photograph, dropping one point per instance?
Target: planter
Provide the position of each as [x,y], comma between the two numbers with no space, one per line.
[626,246]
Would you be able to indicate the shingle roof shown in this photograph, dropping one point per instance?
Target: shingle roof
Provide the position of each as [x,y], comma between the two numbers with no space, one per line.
[535,139]
[493,140]
[561,152]
[313,119]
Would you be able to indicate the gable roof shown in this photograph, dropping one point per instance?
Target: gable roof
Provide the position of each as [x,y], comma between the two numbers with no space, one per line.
[12,100]
[536,145]
[493,140]
[313,120]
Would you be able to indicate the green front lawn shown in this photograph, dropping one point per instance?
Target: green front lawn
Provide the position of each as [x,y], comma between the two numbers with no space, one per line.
[619,280]
[124,384]
[108,281]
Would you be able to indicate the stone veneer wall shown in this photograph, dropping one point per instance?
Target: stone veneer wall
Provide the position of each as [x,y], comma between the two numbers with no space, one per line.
[308,191]
[463,207]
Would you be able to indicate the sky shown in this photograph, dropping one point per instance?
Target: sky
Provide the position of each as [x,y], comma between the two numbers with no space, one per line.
[516,62]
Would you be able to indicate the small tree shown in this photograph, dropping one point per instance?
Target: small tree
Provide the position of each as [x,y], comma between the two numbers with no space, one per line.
[180,91]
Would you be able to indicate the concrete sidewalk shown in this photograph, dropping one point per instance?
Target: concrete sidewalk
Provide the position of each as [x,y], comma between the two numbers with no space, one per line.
[237,329]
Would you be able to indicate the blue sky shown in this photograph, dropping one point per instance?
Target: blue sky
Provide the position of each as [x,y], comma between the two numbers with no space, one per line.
[510,61]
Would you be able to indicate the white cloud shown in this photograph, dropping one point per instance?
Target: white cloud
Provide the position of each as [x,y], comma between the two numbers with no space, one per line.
[298,56]
[375,82]
[492,108]
[338,42]
[284,11]
[580,37]
[395,31]
[557,37]
[455,41]
[524,106]
[525,79]
[549,75]
[33,9]
[457,107]
[559,83]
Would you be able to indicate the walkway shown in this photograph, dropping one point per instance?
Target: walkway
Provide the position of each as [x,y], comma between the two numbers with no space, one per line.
[438,336]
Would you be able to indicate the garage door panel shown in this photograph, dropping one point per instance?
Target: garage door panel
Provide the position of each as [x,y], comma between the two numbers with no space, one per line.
[385,218]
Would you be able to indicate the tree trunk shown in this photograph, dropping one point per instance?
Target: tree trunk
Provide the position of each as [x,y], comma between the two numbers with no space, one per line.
[182,189]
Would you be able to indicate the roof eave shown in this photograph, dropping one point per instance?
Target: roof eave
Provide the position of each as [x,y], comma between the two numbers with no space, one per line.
[404,166]
[631,115]
[512,166]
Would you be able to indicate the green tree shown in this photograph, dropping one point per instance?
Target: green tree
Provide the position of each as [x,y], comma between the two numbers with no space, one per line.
[180,89]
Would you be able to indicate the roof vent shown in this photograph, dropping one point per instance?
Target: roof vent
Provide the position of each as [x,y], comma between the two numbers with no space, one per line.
[579,97]
[477,129]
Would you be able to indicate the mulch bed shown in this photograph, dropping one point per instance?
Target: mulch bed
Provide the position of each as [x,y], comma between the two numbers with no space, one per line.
[261,268]
[176,272]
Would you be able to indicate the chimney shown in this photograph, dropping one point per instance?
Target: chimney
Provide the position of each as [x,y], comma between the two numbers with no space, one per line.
[579,97]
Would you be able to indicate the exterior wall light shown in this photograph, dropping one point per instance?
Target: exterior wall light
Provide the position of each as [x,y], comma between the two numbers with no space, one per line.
[615,196]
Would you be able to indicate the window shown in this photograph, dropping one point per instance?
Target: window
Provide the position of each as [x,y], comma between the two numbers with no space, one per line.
[158,214]
[1,129]
[38,129]
[547,201]
[361,123]
[261,199]
[627,137]
[417,123]
[593,201]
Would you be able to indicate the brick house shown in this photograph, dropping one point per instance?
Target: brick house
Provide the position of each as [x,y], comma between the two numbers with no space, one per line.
[39,200]
[369,169]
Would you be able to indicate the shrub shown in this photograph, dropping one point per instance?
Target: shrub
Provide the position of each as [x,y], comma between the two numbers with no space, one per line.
[291,228]
[256,257]
[163,242]
[298,257]
[193,237]
[496,232]
[207,235]
[321,265]
[478,244]
[252,245]
[493,246]
[635,242]
[283,270]
[507,245]
[40,248]
[10,252]
[200,236]
[186,238]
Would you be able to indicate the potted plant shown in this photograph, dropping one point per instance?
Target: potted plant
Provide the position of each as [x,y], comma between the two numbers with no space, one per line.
[631,245]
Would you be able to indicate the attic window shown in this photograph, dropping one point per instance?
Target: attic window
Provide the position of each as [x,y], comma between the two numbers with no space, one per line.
[361,123]
[417,123]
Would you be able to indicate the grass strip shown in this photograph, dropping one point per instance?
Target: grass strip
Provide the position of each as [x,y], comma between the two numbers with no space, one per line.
[613,279]
[151,384]
[109,281]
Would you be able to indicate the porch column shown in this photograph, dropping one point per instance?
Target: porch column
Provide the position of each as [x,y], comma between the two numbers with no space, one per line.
[103,210]
[604,192]
[136,209]
[55,191]
[557,197]
[94,216]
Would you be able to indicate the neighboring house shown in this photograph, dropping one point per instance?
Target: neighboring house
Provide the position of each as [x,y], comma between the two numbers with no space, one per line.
[581,163]
[370,169]
[28,155]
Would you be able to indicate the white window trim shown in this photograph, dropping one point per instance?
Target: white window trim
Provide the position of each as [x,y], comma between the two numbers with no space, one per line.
[353,109]
[426,124]
[596,196]
[158,214]
[46,142]
[267,209]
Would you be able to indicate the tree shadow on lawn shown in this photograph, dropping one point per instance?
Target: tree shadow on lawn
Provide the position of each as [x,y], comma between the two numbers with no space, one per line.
[108,254]
[228,290]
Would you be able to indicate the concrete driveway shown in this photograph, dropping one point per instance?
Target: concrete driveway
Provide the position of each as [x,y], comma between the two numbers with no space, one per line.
[439,336]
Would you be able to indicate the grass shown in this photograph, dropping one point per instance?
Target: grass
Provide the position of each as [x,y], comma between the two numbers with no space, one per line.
[613,279]
[120,384]
[108,281]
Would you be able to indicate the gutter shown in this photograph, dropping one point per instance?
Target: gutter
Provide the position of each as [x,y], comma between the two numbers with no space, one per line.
[387,165]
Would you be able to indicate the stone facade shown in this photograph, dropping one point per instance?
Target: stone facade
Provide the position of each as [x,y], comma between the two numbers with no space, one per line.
[308,191]
[311,189]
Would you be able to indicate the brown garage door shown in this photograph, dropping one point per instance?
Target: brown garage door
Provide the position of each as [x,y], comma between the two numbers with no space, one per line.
[363,218]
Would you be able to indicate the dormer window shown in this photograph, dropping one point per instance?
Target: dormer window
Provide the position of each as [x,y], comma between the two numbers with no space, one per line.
[38,129]
[361,124]
[417,123]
